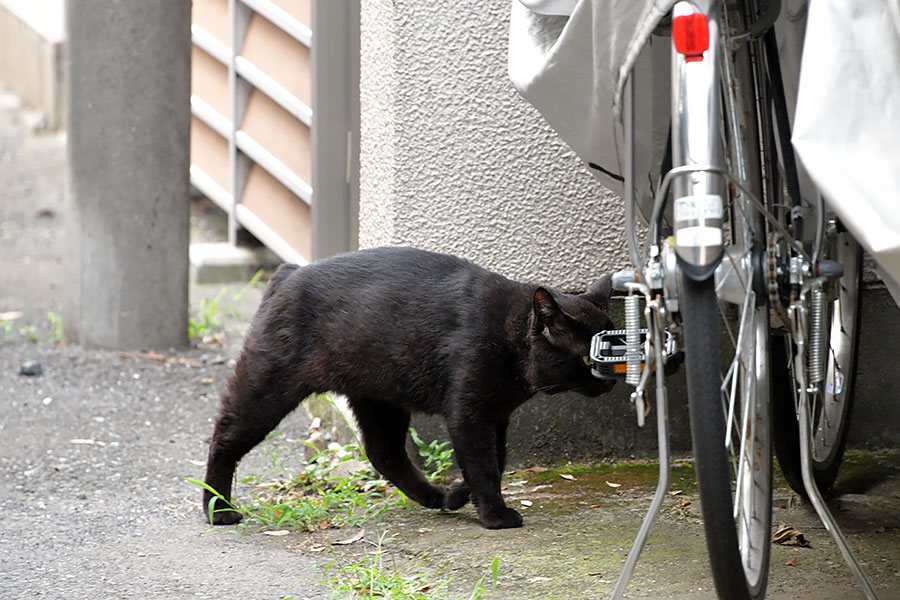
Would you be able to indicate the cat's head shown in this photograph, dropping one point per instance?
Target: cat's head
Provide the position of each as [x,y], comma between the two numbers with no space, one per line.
[562,326]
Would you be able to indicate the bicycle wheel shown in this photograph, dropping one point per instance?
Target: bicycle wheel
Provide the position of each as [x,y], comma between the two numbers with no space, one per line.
[730,417]
[832,399]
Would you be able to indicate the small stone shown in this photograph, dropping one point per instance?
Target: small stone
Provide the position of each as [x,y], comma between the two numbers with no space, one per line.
[47,401]
[346,469]
[30,368]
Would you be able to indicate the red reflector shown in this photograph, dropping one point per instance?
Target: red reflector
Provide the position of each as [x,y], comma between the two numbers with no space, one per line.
[691,36]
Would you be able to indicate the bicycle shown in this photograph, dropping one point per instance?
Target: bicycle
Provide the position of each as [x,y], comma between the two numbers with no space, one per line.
[746,273]
[737,253]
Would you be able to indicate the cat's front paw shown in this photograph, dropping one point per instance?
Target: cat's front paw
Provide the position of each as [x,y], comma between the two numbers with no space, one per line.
[226,517]
[501,518]
[457,496]
[222,514]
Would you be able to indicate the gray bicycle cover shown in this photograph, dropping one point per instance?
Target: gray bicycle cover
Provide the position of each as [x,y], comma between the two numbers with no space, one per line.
[573,69]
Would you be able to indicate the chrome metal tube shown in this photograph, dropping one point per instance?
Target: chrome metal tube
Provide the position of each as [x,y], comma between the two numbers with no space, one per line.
[630,232]
[662,487]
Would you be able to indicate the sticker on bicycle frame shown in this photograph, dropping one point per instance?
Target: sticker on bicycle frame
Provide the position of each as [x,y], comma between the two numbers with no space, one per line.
[700,206]
[692,237]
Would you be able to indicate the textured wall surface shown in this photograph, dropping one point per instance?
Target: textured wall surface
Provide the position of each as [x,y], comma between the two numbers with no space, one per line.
[453,160]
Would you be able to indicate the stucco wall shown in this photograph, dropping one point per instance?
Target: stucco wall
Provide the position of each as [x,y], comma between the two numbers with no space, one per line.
[452,159]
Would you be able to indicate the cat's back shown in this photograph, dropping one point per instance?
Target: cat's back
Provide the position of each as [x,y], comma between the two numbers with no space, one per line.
[396,279]
[400,272]
[374,265]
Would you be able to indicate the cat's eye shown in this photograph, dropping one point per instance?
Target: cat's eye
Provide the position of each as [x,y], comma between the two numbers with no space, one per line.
[587,360]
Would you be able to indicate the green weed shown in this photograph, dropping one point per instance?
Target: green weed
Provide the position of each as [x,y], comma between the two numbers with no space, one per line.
[29,332]
[56,323]
[209,319]
[434,453]
[371,578]
[7,329]
[313,498]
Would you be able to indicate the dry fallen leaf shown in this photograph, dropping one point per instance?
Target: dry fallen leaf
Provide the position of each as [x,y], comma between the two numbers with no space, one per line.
[88,443]
[613,485]
[207,380]
[880,529]
[323,525]
[535,469]
[152,355]
[595,506]
[675,493]
[791,562]
[351,540]
[567,477]
[786,533]
[317,549]
[526,503]
[782,505]
[594,573]
[197,463]
[685,503]
[11,315]
[276,533]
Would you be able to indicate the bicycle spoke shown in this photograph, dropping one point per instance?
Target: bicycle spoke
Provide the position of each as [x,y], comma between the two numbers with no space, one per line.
[733,368]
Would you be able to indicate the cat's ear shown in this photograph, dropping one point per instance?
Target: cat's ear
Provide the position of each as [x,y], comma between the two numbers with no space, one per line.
[546,310]
[600,292]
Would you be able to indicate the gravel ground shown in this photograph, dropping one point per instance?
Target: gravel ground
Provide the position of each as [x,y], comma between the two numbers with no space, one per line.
[94,453]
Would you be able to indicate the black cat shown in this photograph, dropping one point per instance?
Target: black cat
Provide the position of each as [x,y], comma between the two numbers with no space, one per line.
[399,330]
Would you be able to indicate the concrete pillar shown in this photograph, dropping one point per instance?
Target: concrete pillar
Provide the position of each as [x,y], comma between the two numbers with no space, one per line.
[128,183]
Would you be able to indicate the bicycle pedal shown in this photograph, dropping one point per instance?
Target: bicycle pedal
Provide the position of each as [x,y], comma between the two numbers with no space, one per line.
[608,359]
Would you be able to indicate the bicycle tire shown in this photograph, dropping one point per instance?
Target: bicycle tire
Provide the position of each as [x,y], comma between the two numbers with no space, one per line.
[739,559]
[834,410]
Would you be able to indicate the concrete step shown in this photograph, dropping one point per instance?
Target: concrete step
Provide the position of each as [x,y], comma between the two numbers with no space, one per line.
[220,262]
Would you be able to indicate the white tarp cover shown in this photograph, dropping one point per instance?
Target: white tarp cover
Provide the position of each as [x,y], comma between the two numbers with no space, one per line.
[569,59]
[572,69]
[847,124]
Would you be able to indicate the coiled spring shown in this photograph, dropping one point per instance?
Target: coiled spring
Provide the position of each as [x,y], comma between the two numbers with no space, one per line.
[633,339]
[816,356]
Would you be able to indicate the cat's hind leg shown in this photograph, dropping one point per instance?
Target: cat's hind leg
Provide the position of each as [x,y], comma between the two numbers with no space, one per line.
[255,400]
[384,430]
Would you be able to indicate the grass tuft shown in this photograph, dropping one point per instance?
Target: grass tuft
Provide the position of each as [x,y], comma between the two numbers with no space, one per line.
[314,498]
[371,578]
[438,457]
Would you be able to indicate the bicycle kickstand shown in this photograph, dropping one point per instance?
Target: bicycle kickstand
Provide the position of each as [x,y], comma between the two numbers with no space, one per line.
[662,423]
[799,313]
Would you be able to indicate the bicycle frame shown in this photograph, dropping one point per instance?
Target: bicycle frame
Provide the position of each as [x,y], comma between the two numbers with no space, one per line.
[696,114]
